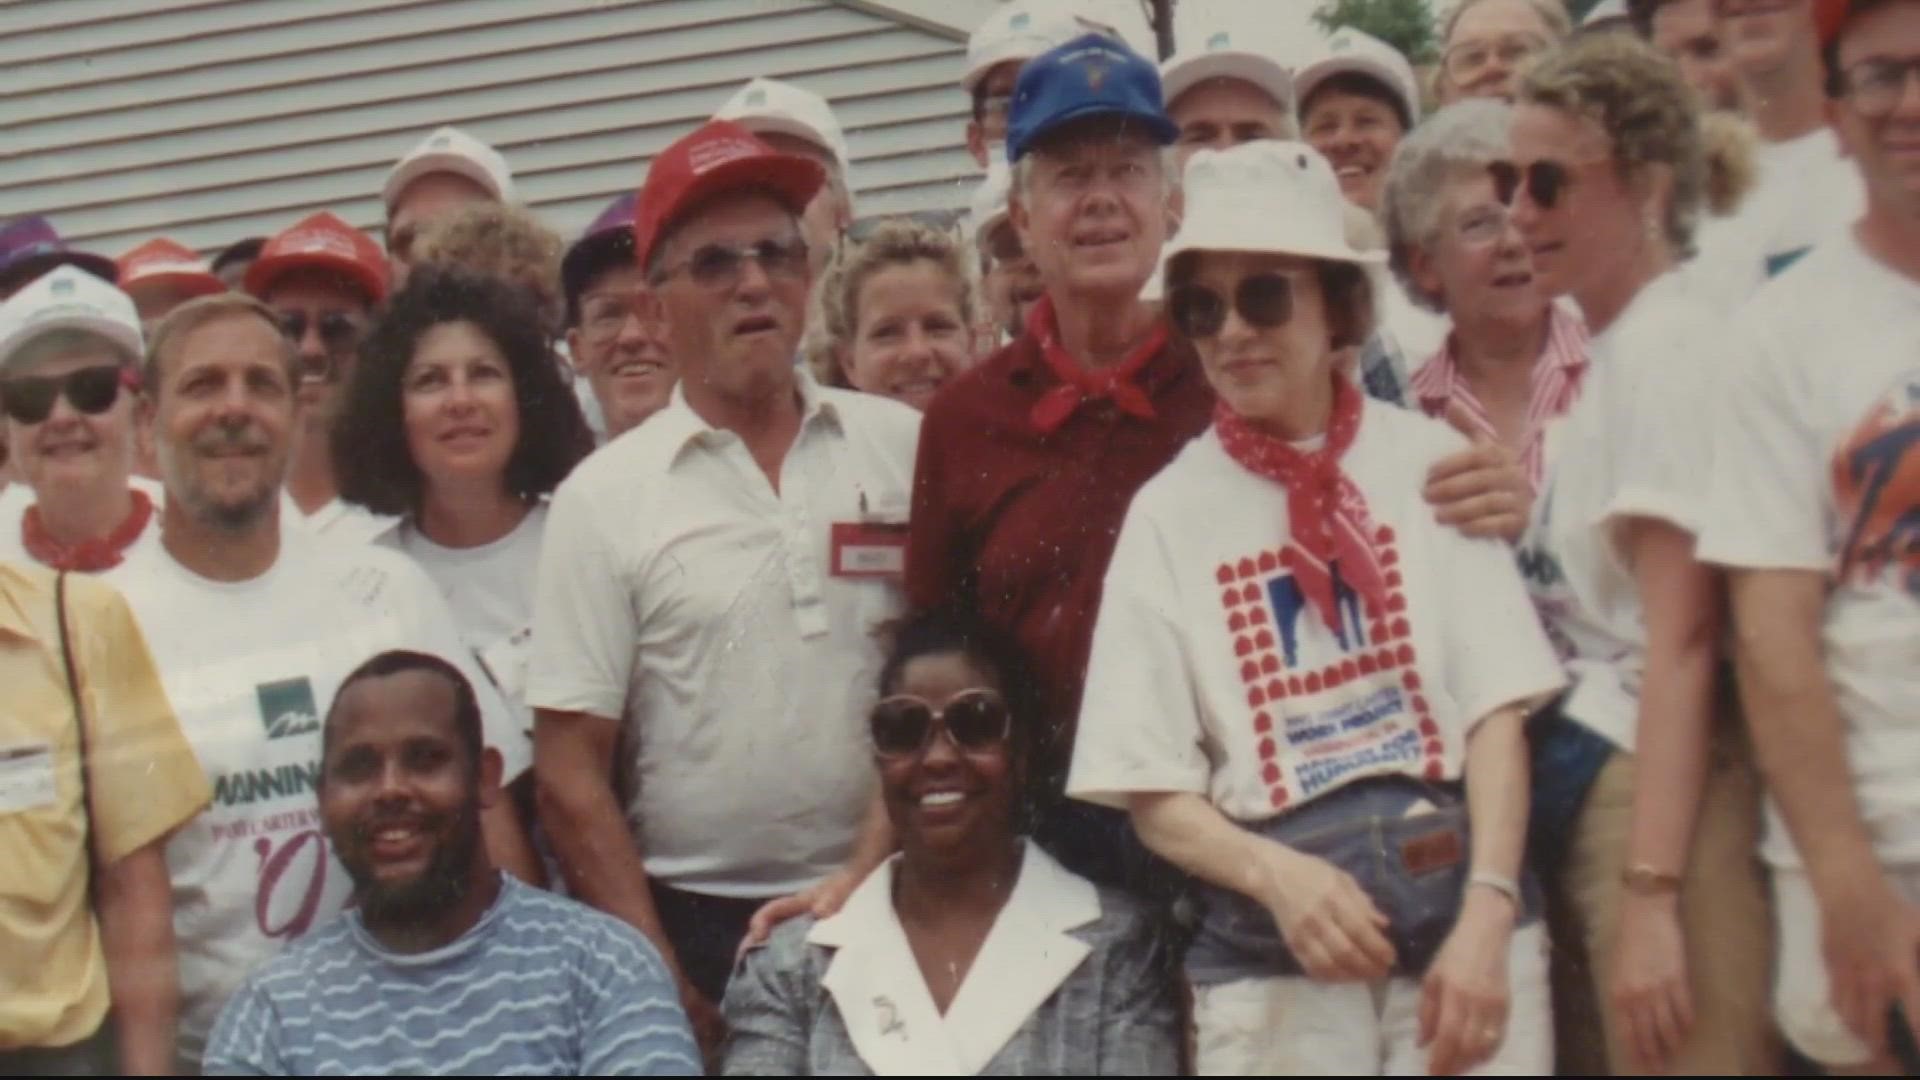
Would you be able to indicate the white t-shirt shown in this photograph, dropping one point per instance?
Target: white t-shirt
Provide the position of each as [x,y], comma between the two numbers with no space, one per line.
[1210,674]
[1805,192]
[251,668]
[1817,467]
[1633,446]
[345,522]
[1729,264]
[490,592]
[679,593]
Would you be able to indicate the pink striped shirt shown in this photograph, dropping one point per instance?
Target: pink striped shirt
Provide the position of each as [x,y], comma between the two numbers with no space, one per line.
[1557,376]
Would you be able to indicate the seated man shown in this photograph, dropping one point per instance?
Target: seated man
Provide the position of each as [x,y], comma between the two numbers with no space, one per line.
[447,965]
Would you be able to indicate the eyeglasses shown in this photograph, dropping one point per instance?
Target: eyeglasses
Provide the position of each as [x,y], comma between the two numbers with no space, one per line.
[1469,58]
[338,332]
[1482,226]
[1875,86]
[602,317]
[28,399]
[995,105]
[718,266]
[903,725]
[1263,300]
[1544,181]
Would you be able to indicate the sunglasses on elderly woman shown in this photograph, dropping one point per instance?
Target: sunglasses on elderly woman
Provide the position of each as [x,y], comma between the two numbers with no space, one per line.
[903,725]
[1264,300]
[28,399]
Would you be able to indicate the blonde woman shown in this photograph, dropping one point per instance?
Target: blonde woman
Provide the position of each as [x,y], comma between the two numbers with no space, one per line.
[897,312]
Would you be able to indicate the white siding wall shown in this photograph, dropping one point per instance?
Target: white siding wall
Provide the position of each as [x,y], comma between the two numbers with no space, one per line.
[209,120]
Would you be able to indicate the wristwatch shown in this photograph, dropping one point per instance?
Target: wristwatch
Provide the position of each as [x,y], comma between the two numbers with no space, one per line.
[1643,880]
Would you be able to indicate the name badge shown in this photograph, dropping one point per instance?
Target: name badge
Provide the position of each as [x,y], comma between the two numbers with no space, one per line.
[867,549]
[26,778]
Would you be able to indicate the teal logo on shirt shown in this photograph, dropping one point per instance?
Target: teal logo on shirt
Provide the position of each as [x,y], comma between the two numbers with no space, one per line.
[287,708]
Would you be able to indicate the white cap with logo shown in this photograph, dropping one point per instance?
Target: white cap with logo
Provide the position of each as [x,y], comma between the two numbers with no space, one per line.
[68,298]
[1228,54]
[769,106]
[1355,52]
[1020,30]
[450,150]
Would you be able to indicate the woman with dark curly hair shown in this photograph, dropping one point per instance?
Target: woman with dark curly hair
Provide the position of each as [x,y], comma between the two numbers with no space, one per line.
[459,422]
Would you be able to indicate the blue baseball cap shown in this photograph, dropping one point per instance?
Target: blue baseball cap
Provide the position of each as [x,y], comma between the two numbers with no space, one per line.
[1092,75]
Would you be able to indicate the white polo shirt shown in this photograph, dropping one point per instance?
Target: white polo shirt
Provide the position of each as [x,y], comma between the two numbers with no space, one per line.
[681,594]
[1817,467]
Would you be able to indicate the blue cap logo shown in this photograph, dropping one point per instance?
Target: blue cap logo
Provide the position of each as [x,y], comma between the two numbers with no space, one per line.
[1096,75]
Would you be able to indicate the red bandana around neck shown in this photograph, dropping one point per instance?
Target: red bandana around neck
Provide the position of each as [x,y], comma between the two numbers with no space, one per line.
[87,556]
[1078,384]
[1331,531]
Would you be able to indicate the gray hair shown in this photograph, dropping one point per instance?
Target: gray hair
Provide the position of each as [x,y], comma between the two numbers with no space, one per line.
[1455,143]
[66,341]
[1552,12]
[1023,171]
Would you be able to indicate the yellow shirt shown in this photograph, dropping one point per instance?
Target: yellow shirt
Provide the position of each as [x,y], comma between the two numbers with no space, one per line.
[143,781]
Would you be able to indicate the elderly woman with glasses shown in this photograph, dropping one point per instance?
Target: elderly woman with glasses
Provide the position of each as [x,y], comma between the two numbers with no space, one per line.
[1643,792]
[1306,692]
[1513,360]
[971,951]
[1486,43]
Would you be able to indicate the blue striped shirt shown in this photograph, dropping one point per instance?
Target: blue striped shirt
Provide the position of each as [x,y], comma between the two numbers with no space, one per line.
[540,986]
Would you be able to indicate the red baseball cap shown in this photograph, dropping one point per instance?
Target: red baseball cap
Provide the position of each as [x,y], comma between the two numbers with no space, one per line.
[321,242]
[1829,16]
[718,156]
[161,260]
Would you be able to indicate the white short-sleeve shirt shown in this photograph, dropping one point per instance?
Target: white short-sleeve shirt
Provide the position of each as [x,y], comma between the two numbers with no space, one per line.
[681,594]
[1806,192]
[251,668]
[1817,467]
[1211,674]
[1634,446]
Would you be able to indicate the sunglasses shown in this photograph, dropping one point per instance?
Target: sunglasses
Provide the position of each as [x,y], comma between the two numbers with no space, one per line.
[338,332]
[1263,300]
[28,399]
[903,725]
[719,266]
[1544,181]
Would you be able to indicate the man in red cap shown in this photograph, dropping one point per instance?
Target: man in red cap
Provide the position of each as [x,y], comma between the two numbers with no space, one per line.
[710,582]
[162,274]
[324,279]
[1815,513]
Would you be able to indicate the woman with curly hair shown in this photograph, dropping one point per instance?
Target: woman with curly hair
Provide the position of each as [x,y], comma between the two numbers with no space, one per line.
[459,421]
[1643,790]
[898,312]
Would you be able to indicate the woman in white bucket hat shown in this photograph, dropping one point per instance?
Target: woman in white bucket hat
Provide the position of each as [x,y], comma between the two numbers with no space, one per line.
[1307,693]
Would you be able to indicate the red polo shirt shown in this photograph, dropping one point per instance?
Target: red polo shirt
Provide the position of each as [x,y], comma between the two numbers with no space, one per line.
[1020,526]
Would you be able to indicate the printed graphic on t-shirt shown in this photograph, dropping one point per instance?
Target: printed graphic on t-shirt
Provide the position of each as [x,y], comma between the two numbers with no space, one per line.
[1327,705]
[287,707]
[1546,579]
[1876,484]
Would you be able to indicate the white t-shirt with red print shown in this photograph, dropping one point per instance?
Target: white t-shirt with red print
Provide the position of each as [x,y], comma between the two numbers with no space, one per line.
[1817,467]
[1212,674]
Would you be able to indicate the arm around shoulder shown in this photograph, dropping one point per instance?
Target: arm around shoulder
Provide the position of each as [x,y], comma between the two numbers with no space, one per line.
[769,1007]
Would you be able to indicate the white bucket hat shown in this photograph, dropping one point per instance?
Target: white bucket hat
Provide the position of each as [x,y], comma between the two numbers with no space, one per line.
[450,150]
[1225,54]
[1266,197]
[769,106]
[1351,51]
[68,298]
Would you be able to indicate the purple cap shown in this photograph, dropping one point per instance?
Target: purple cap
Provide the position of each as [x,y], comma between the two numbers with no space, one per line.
[29,247]
[608,241]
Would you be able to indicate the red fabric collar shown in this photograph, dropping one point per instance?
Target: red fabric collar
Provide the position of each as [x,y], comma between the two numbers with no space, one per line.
[1331,541]
[87,556]
[1078,384]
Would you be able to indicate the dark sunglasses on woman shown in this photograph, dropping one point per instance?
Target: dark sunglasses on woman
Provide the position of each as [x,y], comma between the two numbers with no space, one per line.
[28,399]
[903,725]
[1263,300]
[1545,180]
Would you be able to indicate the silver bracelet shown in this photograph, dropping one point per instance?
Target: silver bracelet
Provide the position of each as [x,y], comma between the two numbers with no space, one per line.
[1499,883]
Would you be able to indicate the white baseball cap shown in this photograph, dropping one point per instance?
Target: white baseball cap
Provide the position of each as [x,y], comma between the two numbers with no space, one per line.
[1224,54]
[1265,196]
[450,150]
[68,298]
[988,207]
[1023,29]
[1605,11]
[769,106]
[1351,51]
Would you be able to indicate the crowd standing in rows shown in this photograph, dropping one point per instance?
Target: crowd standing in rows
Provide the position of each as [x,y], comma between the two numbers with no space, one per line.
[1297,583]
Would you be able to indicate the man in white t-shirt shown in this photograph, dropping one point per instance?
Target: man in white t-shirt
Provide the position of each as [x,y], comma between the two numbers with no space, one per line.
[1815,511]
[253,627]
[1805,190]
[710,584]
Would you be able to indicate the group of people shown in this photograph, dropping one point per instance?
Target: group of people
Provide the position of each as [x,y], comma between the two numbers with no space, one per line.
[1292,584]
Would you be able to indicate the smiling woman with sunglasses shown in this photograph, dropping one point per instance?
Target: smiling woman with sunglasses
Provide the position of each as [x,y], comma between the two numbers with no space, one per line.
[971,952]
[69,387]
[1646,809]
[1306,691]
